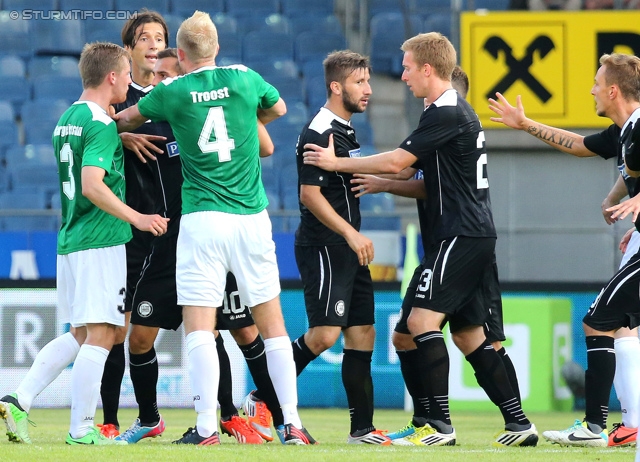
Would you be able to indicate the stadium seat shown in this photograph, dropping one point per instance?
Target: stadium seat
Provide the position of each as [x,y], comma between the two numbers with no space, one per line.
[275,23]
[268,68]
[495,5]
[39,118]
[54,201]
[274,200]
[15,90]
[100,30]
[8,133]
[57,37]
[291,89]
[6,111]
[385,6]
[324,24]
[290,195]
[33,155]
[5,184]
[388,31]
[57,87]
[173,24]
[230,50]
[14,35]
[386,223]
[316,92]
[19,5]
[225,24]
[258,44]
[161,6]
[377,212]
[44,177]
[92,5]
[25,200]
[253,7]
[313,68]
[438,22]
[313,46]
[364,131]
[53,65]
[297,114]
[427,7]
[12,65]
[309,7]
[382,202]
[186,8]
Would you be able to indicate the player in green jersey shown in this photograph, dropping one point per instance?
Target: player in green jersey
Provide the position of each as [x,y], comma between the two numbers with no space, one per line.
[213,112]
[91,267]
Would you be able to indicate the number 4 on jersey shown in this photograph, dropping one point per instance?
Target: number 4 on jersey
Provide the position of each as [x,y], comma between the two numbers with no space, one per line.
[216,124]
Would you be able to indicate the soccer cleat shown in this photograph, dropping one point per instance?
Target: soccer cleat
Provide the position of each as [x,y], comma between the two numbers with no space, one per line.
[238,428]
[429,436]
[93,437]
[528,437]
[407,430]
[299,436]
[191,436]
[280,433]
[258,416]
[15,419]
[109,430]
[136,432]
[577,435]
[622,436]
[373,437]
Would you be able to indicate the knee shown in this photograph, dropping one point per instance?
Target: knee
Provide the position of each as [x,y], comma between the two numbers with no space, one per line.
[403,342]
[141,341]
[321,341]
[244,335]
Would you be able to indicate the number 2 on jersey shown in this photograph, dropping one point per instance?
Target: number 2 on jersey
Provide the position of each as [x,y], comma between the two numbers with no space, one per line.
[482,182]
[216,124]
[68,187]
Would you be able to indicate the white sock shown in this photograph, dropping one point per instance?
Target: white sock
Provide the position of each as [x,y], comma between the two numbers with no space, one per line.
[282,371]
[204,373]
[627,379]
[86,377]
[46,367]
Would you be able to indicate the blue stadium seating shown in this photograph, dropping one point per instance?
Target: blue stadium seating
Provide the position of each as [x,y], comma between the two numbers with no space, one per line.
[313,46]
[14,36]
[324,24]
[364,131]
[252,7]
[310,7]
[12,65]
[291,89]
[6,111]
[386,6]
[8,133]
[275,23]
[40,117]
[258,44]
[382,204]
[297,114]
[187,7]
[268,68]
[225,24]
[496,5]
[230,50]
[20,5]
[97,30]
[316,92]
[57,37]
[388,31]
[161,6]
[43,178]
[312,68]
[22,199]
[53,65]
[427,7]
[57,87]
[438,22]
[33,155]
[5,183]
[16,90]
[173,24]
[92,5]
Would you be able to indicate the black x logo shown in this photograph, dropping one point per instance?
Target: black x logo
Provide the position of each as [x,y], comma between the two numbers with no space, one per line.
[519,69]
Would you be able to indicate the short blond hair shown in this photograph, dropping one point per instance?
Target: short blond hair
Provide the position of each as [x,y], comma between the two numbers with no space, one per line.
[434,49]
[624,71]
[198,37]
[98,59]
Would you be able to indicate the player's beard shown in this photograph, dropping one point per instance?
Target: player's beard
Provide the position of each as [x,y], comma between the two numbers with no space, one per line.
[350,104]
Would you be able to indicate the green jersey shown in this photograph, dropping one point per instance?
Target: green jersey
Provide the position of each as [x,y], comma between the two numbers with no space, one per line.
[87,136]
[213,114]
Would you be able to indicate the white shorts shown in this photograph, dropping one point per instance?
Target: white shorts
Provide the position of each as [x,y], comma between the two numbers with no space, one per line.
[210,244]
[91,286]
[632,248]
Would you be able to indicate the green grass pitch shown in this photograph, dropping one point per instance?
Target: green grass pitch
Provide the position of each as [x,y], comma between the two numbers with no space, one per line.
[475,432]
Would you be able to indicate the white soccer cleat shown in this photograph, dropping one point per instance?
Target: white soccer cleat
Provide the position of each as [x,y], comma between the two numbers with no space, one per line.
[373,437]
[528,437]
[429,436]
[577,435]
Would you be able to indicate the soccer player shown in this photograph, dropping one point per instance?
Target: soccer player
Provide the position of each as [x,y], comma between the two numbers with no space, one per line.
[448,145]
[91,267]
[616,92]
[405,346]
[331,253]
[213,112]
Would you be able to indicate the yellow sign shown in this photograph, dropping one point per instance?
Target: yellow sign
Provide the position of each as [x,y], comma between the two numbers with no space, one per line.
[550,58]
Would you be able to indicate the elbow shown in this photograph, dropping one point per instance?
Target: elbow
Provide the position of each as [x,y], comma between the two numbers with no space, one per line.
[632,173]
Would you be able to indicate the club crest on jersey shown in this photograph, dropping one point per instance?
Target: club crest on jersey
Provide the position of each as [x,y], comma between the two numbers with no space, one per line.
[340,308]
[419,175]
[145,309]
[354,153]
[172,149]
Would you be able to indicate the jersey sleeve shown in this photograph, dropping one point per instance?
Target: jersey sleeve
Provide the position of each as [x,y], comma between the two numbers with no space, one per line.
[604,143]
[152,105]
[437,126]
[268,95]
[100,144]
[310,174]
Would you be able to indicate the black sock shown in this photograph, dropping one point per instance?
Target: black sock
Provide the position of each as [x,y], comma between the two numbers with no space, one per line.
[410,368]
[601,367]
[357,381]
[435,375]
[302,355]
[511,372]
[225,385]
[256,359]
[144,377]
[492,377]
[111,383]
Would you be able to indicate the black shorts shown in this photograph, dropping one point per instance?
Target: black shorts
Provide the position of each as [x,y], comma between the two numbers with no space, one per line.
[452,279]
[232,315]
[618,303]
[138,249]
[490,295]
[337,290]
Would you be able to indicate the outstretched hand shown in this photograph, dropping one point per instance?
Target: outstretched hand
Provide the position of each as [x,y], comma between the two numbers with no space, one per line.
[367,184]
[510,116]
[142,145]
[630,206]
[324,158]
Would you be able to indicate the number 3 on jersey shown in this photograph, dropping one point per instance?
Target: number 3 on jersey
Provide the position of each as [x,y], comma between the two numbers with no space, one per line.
[68,187]
[216,124]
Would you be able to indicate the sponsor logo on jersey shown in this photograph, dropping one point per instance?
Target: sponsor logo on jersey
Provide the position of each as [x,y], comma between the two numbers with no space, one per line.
[419,175]
[172,149]
[354,153]
[340,308]
[145,309]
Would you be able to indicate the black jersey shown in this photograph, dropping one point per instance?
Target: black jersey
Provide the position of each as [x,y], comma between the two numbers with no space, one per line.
[334,186]
[449,145]
[154,187]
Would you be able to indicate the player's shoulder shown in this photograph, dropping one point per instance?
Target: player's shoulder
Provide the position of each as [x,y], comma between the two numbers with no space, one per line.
[325,122]
[98,115]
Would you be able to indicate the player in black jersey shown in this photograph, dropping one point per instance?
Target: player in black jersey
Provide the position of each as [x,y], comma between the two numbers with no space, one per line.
[448,145]
[332,255]
[616,92]
[410,183]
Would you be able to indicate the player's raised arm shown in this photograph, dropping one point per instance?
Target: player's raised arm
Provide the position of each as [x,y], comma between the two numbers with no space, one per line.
[129,119]
[270,114]
[514,117]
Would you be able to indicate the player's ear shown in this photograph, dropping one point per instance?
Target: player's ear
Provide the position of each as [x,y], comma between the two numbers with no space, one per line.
[336,88]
